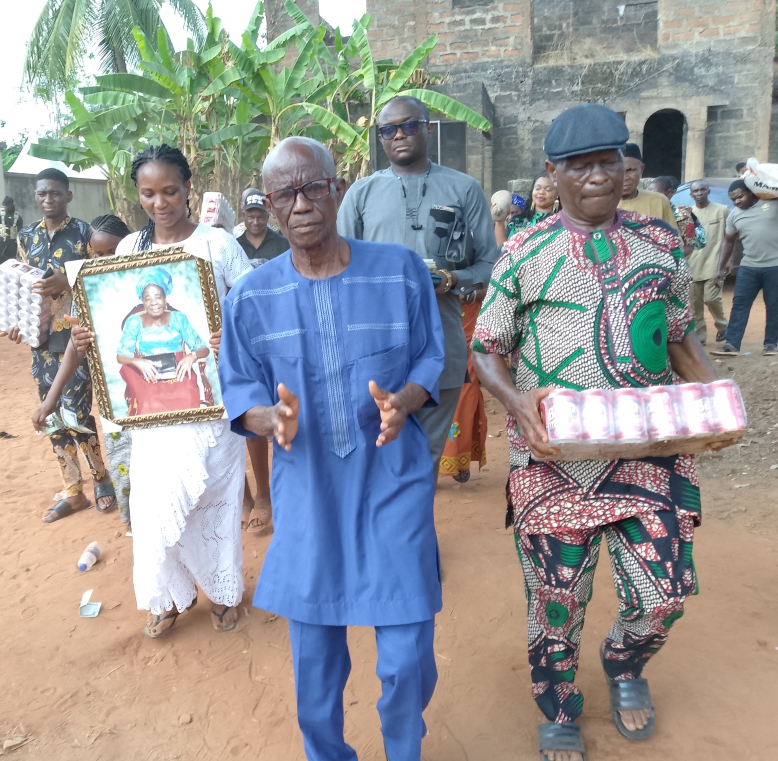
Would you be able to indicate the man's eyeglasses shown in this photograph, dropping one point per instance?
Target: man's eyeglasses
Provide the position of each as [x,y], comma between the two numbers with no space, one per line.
[409,128]
[313,191]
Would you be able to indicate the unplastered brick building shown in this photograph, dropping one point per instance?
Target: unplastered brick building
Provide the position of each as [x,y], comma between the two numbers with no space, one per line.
[693,79]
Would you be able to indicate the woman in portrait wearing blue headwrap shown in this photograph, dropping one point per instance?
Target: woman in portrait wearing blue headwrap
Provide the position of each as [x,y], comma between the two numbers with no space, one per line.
[158,350]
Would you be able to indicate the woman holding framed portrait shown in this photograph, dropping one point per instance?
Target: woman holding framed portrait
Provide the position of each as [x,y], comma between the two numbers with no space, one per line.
[187,480]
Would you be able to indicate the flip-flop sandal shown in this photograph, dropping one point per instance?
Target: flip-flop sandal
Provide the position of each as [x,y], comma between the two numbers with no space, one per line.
[258,526]
[172,614]
[221,616]
[565,736]
[63,509]
[629,695]
[146,631]
[104,490]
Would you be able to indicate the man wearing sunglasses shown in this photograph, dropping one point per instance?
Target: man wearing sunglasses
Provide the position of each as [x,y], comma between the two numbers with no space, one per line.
[331,348]
[442,215]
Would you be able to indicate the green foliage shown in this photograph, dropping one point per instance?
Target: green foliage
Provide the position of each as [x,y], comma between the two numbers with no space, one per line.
[67,29]
[10,155]
[226,104]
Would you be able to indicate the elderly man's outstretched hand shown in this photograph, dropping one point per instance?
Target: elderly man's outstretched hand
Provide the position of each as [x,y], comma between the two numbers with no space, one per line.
[393,411]
[285,417]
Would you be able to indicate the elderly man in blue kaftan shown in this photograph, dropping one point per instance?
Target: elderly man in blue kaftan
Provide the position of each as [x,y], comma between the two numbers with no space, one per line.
[354,539]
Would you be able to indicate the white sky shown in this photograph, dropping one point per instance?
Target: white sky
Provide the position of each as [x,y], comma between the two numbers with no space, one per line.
[16,108]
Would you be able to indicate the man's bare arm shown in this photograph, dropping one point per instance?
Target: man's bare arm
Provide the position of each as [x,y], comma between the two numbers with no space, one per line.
[524,407]
[690,361]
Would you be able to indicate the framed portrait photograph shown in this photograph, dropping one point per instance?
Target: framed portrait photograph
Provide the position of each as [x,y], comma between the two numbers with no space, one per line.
[152,313]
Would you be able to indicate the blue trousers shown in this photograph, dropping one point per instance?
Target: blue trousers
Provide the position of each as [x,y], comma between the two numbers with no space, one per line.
[751,280]
[408,674]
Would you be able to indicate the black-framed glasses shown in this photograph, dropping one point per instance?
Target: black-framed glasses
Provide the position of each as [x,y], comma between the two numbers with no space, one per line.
[313,191]
[409,128]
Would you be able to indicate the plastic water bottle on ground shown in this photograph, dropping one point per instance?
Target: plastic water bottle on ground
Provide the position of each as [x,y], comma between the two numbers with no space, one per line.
[89,558]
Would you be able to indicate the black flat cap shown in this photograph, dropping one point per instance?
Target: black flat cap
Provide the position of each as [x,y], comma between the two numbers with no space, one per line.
[585,128]
[632,151]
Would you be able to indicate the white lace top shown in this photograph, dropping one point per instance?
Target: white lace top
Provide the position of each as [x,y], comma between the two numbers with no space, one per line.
[222,249]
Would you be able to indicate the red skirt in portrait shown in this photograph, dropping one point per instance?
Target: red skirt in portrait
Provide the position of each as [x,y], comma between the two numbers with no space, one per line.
[144,398]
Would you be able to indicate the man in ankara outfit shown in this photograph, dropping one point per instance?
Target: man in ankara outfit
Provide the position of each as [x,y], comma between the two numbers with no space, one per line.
[330,348]
[592,298]
[633,198]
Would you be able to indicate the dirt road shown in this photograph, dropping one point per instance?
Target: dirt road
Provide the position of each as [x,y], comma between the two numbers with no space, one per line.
[95,689]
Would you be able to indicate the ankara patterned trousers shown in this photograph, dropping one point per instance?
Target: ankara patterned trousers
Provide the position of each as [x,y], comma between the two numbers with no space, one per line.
[77,398]
[651,560]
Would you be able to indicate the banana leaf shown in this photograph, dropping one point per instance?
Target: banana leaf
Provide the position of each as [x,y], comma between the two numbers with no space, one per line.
[296,13]
[230,76]
[135,83]
[230,133]
[290,35]
[403,73]
[109,118]
[368,69]
[337,126]
[451,108]
[96,96]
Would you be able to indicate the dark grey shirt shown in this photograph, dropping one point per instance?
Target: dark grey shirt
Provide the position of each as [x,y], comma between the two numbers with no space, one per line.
[376,209]
[272,246]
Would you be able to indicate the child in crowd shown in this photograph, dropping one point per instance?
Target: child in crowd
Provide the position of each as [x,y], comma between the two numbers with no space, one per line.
[105,234]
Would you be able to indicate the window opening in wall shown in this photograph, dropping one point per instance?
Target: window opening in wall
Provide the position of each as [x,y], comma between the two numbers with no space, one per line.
[663,143]
[447,147]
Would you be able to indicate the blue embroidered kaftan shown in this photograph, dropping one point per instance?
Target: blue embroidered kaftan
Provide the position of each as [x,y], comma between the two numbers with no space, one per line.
[354,540]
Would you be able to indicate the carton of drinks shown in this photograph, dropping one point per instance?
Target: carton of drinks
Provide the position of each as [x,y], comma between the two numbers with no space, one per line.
[20,307]
[630,423]
[217,211]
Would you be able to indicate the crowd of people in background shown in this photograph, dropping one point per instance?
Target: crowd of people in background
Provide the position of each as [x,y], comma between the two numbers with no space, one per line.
[359,326]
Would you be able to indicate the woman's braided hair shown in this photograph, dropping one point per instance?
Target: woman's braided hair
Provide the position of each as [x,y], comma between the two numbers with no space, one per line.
[110,225]
[168,155]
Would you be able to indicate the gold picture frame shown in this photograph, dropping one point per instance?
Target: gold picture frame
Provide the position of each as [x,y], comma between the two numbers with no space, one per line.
[101,293]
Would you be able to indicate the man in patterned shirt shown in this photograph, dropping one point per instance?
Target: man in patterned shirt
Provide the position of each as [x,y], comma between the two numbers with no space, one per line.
[49,245]
[691,232]
[593,297]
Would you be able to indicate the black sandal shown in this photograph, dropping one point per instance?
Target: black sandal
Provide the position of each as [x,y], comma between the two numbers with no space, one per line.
[629,695]
[221,616]
[565,736]
[174,614]
[104,490]
[63,509]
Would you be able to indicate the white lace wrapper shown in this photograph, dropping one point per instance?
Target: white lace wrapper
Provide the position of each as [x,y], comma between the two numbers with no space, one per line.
[186,498]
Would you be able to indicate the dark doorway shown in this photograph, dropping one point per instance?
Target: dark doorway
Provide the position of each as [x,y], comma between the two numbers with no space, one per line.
[663,143]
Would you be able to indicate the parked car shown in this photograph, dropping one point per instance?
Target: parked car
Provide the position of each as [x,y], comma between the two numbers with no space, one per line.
[719,187]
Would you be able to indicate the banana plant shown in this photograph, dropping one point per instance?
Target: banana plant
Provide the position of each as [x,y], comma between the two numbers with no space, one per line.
[106,139]
[224,105]
[372,84]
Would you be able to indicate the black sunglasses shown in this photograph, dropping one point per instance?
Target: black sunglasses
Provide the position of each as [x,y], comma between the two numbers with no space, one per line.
[409,128]
[313,191]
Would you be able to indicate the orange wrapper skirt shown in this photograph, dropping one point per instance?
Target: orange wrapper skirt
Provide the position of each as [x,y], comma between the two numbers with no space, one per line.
[466,441]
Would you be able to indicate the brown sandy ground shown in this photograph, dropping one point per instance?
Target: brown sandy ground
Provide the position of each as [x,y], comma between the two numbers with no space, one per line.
[96,690]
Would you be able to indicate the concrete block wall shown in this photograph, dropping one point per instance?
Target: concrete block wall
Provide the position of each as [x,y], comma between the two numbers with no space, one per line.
[565,31]
[715,24]
[709,59]
[468,30]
